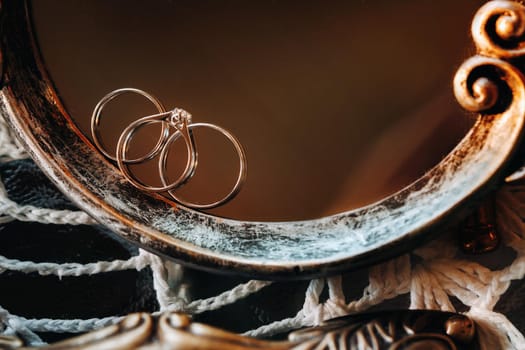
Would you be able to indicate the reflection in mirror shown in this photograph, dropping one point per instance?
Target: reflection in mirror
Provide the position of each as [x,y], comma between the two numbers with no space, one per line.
[337,103]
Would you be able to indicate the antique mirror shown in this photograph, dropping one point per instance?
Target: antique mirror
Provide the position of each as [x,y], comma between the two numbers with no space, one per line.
[356,146]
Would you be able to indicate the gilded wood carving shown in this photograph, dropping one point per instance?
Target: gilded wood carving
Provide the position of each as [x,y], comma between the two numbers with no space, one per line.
[403,330]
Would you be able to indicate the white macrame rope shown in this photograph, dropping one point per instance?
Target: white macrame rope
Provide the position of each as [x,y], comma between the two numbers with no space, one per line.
[430,282]
[10,148]
[72,269]
[9,211]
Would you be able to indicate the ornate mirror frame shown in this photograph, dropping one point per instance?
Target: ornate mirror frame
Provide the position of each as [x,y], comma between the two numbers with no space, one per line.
[415,329]
[488,83]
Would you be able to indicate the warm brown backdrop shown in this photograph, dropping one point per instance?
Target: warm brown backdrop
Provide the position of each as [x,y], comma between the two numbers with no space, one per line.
[338,103]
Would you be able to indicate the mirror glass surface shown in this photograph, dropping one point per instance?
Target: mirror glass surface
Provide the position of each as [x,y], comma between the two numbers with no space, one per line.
[338,103]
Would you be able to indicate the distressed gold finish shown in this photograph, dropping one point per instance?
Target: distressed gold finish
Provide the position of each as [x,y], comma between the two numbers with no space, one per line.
[130,333]
[479,233]
[498,28]
[177,331]
[412,330]
[481,83]
[10,342]
[403,330]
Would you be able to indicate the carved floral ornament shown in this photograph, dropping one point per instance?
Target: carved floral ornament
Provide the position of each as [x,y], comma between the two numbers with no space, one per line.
[409,330]
[491,83]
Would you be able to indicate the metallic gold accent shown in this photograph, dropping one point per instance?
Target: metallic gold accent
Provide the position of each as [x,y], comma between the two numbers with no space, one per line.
[489,84]
[460,328]
[479,233]
[408,330]
[290,250]
[498,29]
[97,114]
[180,122]
[176,331]
[133,331]
[10,342]
[479,82]
[413,330]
